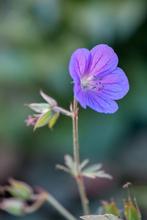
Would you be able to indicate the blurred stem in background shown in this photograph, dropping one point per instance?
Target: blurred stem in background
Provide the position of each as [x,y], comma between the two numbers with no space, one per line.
[64,212]
[76,154]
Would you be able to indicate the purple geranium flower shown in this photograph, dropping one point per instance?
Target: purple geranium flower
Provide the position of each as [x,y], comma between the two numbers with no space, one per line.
[98,81]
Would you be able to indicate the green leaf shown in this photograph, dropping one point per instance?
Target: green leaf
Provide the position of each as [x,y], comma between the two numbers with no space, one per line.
[53,120]
[43,120]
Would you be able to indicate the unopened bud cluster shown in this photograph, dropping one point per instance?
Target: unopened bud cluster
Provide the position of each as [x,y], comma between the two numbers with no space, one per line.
[21,195]
[45,113]
[130,209]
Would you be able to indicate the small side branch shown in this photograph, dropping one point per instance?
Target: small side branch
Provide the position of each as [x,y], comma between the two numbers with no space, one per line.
[62,111]
[64,212]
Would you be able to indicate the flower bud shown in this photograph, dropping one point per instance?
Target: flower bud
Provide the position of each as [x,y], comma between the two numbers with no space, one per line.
[19,190]
[131,210]
[53,119]
[13,206]
[43,119]
[111,208]
[31,120]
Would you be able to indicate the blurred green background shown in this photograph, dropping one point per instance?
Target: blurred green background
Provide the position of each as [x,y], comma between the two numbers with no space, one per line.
[37,38]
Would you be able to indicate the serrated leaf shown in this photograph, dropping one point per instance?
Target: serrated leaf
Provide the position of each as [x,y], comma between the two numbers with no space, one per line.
[102,174]
[94,171]
[43,120]
[69,162]
[98,174]
[93,168]
[63,168]
[100,217]
[53,120]
[39,107]
[84,163]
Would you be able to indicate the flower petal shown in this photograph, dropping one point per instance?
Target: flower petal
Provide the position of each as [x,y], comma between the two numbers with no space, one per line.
[79,63]
[103,59]
[79,95]
[99,103]
[116,84]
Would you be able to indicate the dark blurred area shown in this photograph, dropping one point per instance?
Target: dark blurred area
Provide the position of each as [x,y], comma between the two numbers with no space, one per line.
[37,38]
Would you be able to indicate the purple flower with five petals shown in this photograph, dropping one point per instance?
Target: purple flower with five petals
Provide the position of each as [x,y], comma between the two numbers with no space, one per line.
[98,81]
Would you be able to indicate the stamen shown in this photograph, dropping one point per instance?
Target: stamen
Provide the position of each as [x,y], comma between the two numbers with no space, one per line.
[91,83]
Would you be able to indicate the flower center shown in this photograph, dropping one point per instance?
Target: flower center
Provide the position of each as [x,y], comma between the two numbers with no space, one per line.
[91,83]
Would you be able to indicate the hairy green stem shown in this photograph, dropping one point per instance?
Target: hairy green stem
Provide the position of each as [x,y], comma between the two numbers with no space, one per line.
[76,154]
